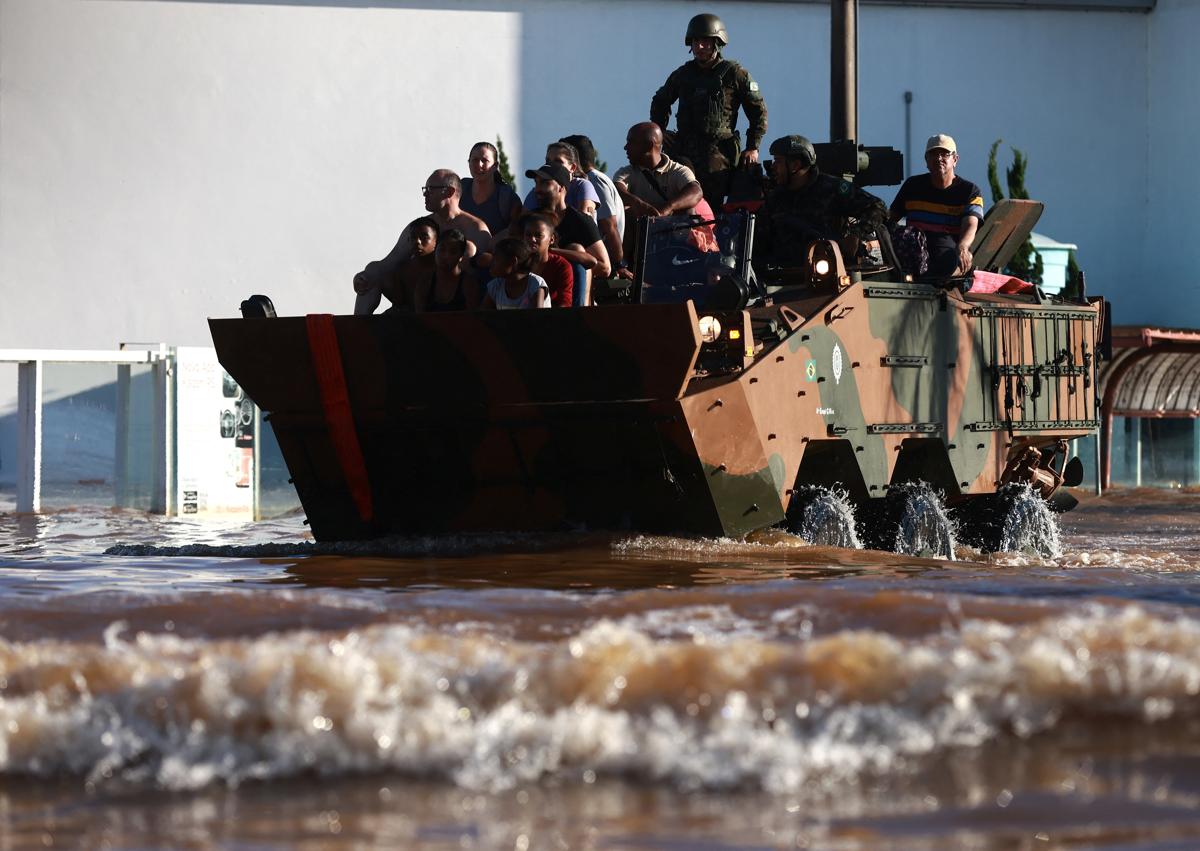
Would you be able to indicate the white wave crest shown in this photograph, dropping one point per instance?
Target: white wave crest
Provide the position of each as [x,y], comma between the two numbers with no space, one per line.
[488,712]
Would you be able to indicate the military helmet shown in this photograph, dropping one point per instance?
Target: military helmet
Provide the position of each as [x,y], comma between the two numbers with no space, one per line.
[794,148]
[706,26]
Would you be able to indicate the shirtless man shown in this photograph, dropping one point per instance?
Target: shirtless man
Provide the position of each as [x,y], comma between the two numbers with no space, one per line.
[442,191]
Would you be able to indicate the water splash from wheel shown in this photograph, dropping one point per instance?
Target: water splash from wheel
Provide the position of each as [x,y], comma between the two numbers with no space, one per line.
[923,526]
[823,517]
[1028,525]
[1015,519]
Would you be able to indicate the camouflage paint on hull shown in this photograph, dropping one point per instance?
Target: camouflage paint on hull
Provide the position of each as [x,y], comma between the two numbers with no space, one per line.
[621,417]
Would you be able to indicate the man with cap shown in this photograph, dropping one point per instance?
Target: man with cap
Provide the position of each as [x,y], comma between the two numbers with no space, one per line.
[807,205]
[947,208]
[579,239]
[710,90]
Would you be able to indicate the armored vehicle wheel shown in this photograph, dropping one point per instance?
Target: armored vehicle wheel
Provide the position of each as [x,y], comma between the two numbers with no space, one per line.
[911,520]
[823,517]
[1014,519]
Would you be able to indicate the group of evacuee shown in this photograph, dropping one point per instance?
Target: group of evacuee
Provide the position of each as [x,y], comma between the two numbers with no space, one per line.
[481,245]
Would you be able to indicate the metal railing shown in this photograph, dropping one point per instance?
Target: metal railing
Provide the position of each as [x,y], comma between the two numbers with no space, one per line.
[30,364]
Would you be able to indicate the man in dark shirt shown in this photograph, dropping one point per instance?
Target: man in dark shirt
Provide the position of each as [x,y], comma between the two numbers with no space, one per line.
[710,90]
[579,239]
[808,205]
[946,208]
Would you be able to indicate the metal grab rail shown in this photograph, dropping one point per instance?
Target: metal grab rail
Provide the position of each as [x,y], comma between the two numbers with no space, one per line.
[29,412]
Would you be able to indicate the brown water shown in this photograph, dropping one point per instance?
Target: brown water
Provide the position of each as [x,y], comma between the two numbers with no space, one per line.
[174,683]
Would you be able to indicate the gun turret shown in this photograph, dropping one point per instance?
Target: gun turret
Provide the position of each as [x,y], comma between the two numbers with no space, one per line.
[862,165]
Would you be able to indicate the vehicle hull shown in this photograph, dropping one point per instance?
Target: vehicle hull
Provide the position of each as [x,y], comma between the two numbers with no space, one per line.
[622,417]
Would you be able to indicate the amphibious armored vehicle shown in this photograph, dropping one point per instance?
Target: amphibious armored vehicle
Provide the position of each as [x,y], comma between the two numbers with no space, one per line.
[710,405]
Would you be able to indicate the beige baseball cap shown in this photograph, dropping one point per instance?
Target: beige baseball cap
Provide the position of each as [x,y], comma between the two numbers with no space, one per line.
[942,142]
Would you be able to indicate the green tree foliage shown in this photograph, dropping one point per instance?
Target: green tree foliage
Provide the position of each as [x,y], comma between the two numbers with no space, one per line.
[1071,289]
[1026,264]
[502,166]
[993,173]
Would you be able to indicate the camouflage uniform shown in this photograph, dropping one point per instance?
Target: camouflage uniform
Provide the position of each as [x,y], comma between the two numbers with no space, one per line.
[709,100]
[827,208]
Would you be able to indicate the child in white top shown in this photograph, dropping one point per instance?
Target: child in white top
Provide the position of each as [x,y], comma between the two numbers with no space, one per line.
[513,286]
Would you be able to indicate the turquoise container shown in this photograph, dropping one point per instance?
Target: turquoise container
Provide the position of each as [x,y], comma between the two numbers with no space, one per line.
[1054,256]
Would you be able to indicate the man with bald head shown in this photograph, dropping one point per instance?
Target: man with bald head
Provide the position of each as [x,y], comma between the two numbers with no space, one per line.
[442,192]
[653,184]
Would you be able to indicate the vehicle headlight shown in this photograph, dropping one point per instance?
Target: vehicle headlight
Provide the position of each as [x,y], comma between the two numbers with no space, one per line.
[825,263]
[710,329]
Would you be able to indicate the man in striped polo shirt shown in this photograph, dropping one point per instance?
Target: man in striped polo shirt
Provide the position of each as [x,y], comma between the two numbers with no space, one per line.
[947,208]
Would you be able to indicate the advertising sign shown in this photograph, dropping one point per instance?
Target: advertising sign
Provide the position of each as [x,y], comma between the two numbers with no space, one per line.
[215,425]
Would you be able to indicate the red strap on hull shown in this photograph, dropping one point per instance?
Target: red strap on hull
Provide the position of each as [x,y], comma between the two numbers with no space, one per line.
[331,381]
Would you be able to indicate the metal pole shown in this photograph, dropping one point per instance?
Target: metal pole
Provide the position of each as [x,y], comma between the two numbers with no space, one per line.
[124,408]
[908,98]
[1195,452]
[162,500]
[29,436]
[843,70]
[1137,451]
[256,469]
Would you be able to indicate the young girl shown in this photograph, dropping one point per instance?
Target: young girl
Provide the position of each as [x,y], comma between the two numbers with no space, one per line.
[415,271]
[514,286]
[450,287]
[538,230]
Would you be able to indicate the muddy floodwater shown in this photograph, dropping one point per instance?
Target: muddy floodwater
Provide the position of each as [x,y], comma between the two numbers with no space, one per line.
[171,683]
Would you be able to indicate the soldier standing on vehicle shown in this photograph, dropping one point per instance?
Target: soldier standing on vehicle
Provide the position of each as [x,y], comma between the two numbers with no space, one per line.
[710,90]
[808,205]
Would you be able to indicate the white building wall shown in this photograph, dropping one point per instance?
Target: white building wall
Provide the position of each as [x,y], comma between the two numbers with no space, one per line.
[161,160]
[1168,285]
